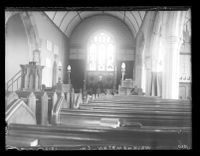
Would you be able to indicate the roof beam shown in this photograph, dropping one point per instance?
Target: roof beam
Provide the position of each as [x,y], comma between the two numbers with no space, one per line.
[79,15]
[131,24]
[63,18]
[70,23]
[54,15]
[140,15]
[135,19]
[124,16]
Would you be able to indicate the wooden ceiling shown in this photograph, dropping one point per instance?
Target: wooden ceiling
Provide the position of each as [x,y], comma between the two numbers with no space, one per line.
[66,21]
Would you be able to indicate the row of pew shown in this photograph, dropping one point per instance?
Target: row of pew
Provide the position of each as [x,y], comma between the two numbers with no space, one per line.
[125,122]
[70,137]
[44,105]
[136,113]
[146,111]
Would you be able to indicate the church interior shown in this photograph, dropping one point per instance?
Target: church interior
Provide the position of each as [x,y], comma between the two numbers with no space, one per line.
[98,80]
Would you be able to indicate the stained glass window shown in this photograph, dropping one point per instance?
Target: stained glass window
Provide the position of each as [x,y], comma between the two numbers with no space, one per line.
[101,53]
[92,57]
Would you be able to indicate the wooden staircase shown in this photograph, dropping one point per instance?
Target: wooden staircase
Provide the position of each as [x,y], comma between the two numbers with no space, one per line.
[13,83]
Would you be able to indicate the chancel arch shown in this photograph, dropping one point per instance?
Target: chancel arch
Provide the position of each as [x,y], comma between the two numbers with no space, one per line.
[120,39]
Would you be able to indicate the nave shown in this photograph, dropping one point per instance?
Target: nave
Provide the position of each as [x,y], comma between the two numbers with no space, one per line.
[98,79]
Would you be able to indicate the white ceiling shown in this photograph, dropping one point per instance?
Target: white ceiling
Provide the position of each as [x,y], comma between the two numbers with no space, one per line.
[67,20]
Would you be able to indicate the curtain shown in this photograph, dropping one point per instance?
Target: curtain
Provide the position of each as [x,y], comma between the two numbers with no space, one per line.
[54,74]
[156,84]
[157,53]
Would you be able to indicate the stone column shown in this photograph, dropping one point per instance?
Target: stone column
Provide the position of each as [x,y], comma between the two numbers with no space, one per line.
[115,78]
[171,68]
[173,23]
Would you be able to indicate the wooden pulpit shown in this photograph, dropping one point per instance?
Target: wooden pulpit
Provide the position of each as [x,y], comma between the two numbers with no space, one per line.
[31,77]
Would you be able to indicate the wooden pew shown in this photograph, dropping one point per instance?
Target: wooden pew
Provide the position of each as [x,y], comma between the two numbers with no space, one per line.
[73,100]
[41,108]
[135,107]
[30,99]
[55,118]
[76,100]
[133,104]
[10,97]
[74,138]
[164,129]
[146,118]
[19,112]
[152,112]
[52,100]
[21,142]
[135,98]
[143,101]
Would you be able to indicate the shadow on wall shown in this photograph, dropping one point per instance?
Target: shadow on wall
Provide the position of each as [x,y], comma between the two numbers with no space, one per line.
[77,73]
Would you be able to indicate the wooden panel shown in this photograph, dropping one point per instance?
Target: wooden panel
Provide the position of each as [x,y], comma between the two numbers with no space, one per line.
[185,91]
[107,80]
[20,141]
[20,113]
[10,97]
[185,68]
[65,136]
[182,92]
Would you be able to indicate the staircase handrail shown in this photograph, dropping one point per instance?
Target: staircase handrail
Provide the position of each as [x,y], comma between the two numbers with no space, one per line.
[14,76]
[14,79]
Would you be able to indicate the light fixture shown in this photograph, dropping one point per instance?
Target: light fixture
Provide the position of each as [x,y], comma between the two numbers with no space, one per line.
[123,65]
[69,68]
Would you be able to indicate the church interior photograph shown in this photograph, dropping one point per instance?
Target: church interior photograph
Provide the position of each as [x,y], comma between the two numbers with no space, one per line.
[104,79]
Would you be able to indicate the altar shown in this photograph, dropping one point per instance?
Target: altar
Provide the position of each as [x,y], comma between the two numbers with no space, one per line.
[126,86]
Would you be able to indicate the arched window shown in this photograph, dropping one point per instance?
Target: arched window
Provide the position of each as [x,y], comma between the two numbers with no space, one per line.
[101,52]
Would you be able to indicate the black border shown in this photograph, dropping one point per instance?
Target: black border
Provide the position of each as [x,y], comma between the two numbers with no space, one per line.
[35,5]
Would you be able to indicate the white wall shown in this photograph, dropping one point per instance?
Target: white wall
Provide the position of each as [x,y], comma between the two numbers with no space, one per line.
[16,46]
[124,39]
[48,31]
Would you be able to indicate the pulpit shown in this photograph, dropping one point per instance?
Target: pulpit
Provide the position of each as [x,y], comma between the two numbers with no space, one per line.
[31,77]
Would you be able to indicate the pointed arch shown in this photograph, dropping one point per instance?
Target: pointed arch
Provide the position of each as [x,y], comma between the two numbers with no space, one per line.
[30,28]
